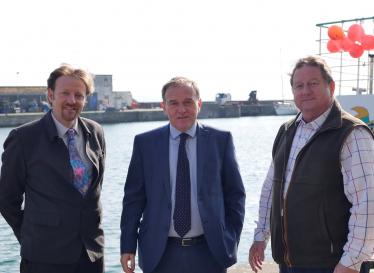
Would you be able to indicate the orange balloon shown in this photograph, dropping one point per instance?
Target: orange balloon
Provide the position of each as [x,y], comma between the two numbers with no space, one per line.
[356,51]
[367,42]
[345,44]
[335,32]
[333,46]
[356,32]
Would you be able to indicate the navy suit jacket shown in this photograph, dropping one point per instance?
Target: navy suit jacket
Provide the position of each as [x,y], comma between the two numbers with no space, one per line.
[221,196]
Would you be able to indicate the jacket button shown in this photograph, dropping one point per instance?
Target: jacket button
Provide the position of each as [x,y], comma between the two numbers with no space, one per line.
[65,166]
[166,228]
[169,206]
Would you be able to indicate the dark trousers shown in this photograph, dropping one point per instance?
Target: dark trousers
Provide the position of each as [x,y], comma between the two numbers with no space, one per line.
[365,268]
[83,265]
[185,259]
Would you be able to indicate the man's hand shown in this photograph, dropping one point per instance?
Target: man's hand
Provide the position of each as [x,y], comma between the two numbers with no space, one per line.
[339,268]
[124,259]
[257,255]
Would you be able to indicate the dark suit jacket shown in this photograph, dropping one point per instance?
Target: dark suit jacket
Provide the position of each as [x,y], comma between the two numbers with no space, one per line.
[221,196]
[56,219]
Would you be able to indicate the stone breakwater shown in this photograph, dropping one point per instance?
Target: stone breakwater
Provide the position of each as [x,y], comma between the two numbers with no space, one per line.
[140,115]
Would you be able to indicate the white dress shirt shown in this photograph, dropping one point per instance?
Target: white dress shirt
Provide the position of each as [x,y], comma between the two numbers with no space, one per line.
[191,144]
[357,161]
[78,141]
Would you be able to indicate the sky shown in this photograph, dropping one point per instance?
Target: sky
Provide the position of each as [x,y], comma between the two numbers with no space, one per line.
[231,46]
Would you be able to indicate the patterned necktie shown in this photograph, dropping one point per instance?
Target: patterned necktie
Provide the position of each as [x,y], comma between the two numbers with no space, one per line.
[182,210]
[81,180]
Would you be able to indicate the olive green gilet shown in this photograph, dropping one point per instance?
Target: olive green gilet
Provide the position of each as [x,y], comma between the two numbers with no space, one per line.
[313,229]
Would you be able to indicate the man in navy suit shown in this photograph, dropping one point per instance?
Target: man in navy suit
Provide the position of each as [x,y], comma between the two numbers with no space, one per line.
[184,196]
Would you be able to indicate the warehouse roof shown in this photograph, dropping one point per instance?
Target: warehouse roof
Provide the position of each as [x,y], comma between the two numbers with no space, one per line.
[14,90]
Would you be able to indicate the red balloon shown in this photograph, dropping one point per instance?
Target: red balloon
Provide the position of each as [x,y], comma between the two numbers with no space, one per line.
[356,32]
[356,51]
[367,42]
[345,44]
[335,32]
[333,46]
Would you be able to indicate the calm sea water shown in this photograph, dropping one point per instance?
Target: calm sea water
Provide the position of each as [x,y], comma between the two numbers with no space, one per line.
[253,139]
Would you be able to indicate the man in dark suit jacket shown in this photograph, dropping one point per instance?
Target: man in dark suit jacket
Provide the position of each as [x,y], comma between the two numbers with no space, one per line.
[184,182]
[57,163]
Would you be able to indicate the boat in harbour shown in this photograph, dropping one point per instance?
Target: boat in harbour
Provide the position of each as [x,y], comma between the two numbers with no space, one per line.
[286,108]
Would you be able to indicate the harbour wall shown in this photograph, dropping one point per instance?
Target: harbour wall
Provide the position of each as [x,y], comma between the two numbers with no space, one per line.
[140,115]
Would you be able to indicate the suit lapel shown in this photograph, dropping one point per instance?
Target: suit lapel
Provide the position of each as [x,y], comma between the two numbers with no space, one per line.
[60,149]
[201,149]
[50,126]
[163,152]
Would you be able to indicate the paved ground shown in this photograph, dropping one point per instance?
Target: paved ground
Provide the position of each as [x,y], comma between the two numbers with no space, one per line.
[267,267]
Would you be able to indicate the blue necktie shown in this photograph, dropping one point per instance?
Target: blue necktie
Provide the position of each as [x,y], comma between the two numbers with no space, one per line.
[81,181]
[182,210]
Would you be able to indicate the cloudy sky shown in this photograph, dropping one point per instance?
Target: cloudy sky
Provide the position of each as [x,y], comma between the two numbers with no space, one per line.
[225,46]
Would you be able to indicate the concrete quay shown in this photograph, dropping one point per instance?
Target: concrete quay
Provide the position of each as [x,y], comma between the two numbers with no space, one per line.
[267,267]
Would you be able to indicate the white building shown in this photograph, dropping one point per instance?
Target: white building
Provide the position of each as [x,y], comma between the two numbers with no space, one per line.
[104,90]
[122,99]
[106,97]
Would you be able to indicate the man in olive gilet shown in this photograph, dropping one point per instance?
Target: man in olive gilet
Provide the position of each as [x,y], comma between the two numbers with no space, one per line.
[316,203]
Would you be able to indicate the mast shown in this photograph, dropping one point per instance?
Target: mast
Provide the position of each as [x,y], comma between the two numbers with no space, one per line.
[371,64]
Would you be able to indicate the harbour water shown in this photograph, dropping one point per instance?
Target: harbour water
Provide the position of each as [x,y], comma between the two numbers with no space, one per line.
[253,139]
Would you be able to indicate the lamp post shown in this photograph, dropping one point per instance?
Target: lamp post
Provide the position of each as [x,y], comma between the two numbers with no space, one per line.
[371,63]
[17,87]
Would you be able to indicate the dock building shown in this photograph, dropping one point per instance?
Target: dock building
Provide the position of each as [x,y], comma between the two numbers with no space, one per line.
[24,99]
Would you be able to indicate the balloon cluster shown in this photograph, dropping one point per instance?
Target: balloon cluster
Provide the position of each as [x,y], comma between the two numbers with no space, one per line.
[355,43]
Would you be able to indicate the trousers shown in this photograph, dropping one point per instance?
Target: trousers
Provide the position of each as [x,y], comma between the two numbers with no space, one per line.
[188,259]
[83,265]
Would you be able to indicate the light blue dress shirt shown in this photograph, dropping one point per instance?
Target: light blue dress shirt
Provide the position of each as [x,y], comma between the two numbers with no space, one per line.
[191,146]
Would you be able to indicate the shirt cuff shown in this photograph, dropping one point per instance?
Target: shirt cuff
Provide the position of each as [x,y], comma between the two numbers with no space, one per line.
[351,262]
[261,236]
